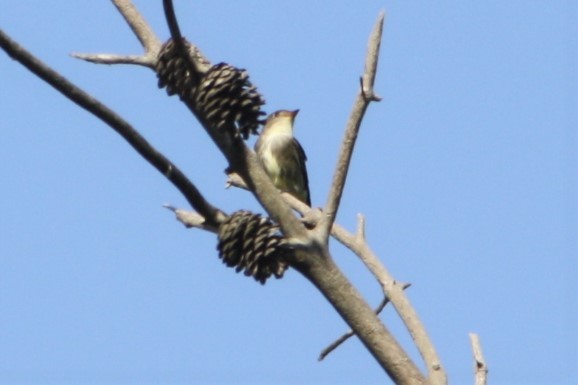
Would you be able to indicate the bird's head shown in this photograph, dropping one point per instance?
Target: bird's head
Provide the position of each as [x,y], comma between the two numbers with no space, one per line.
[281,122]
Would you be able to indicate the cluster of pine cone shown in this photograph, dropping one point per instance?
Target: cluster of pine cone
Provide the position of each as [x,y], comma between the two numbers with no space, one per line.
[223,97]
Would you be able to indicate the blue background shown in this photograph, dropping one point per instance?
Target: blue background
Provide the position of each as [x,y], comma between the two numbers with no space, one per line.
[466,171]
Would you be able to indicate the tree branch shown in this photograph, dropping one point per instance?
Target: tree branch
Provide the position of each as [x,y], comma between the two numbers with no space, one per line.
[139,27]
[481,369]
[141,145]
[172,23]
[149,41]
[104,58]
[357,243]
[190,219]
[364,97]
[312,258]
[334,345]
[374,335]
[394,291]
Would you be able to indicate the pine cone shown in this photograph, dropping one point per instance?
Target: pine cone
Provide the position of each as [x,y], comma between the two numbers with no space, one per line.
[175,73]
[221,95]
[252,243]
[226,98]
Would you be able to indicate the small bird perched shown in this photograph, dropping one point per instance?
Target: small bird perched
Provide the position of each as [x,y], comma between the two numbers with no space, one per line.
[282,156]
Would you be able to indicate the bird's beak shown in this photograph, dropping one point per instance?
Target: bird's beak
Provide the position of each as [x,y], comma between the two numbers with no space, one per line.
[294,113]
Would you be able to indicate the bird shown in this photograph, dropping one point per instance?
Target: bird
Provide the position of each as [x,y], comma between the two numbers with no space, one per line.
[282,156]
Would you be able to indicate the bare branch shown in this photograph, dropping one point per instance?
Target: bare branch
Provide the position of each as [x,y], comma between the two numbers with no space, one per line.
[481,369]
[139,26]
[149,41]
[392,289]
[357,243]
[349,240]
[334,345]
[196,63]
[399,300]
[360,235]
[123,128]
[371,61]
[190,218]
[172,22]
[235,180]
[347,301]
[104,58]
[364,97]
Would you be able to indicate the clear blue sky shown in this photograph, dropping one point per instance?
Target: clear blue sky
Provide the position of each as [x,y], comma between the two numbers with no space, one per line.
[467,172]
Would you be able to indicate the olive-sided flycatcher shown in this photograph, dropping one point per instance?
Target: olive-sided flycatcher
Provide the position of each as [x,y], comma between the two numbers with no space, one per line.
[282,156]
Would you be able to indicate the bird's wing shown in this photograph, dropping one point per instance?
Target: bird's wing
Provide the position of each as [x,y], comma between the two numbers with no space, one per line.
[302,159]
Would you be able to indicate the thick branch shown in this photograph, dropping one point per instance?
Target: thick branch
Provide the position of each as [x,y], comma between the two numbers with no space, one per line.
[324,274]
[350,333]
[364,97]
[140,144]
[394,291]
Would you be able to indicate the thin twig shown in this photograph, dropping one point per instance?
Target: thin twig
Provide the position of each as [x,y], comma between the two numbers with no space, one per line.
[190,218]
[334,345]
[171,18]
[123,128]
[104,58]
[481,369]
[354,123]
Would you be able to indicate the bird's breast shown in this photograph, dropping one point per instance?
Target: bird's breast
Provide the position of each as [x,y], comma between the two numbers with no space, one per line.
[273,150]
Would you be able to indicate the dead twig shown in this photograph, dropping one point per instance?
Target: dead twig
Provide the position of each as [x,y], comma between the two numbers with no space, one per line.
[481,369]
[364,97]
